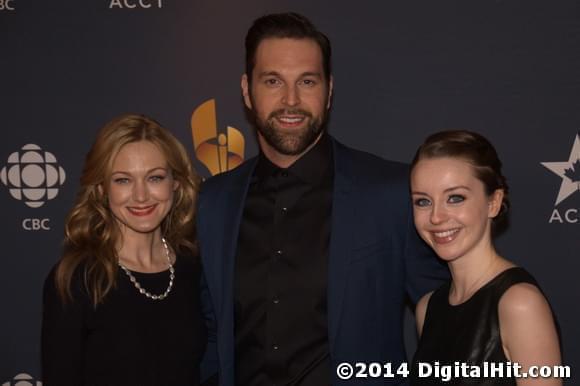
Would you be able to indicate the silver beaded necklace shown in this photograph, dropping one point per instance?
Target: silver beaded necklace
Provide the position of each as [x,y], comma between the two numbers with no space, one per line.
[141,289]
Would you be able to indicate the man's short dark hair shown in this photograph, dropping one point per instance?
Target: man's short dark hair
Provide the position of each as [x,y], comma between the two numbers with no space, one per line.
[285,25]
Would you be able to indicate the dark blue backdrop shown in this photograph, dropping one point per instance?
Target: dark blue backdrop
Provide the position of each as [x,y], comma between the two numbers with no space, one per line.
[402,69]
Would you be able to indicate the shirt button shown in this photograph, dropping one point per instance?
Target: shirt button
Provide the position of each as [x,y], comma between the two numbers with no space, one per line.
[284,173]
[284,210]
[279,253]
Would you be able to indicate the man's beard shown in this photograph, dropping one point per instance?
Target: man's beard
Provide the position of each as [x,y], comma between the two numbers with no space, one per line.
[293,142]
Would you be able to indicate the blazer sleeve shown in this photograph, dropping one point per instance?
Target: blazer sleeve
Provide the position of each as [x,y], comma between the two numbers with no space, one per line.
[62,336]
[209,363]
[424,270]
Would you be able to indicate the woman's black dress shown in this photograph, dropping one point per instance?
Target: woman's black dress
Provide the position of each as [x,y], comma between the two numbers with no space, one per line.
[466,333]
[129,339]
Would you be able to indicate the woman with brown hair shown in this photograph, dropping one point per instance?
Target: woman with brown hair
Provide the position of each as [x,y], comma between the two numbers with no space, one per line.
[122,306]
[491,311]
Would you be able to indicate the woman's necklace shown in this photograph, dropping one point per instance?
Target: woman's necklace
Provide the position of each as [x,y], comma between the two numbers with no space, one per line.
[141,289]
[477,284]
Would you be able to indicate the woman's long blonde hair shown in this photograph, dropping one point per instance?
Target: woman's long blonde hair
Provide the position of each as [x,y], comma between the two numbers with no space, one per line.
[91,231]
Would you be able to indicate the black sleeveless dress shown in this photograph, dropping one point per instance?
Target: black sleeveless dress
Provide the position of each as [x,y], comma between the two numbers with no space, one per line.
[466,333]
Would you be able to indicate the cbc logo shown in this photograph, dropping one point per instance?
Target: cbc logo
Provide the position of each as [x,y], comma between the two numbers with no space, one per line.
[7,5]
[22,379]
[134,4]
[36,224]
[32,175]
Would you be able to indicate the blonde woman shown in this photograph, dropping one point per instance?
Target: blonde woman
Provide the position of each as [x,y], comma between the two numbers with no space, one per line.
[122,306]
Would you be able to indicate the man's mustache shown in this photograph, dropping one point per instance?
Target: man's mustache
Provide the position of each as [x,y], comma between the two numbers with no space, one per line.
[277,113]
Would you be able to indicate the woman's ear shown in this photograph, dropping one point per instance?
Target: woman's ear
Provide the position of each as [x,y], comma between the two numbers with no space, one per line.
[495,203]
[101,193]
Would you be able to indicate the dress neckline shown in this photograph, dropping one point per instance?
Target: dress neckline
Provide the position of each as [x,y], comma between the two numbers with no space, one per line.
[481,289]
[153,274]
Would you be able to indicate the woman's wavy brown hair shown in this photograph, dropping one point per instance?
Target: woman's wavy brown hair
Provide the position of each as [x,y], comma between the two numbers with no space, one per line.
[91,231]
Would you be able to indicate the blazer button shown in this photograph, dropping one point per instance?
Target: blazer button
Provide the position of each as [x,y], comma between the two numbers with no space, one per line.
[276,300]
[275,347]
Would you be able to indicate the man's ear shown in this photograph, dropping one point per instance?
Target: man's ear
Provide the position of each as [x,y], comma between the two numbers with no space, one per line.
[330,88]
[246,91]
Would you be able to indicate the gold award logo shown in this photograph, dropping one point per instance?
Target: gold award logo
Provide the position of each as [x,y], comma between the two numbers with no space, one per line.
[218,152]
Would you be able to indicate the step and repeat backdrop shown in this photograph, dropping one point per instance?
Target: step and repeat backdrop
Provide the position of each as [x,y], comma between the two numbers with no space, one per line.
[402,69]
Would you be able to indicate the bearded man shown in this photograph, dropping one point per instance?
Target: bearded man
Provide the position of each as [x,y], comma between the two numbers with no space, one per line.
[309,249]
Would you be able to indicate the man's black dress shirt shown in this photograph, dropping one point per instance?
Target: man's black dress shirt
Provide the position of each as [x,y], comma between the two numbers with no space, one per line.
[281,324]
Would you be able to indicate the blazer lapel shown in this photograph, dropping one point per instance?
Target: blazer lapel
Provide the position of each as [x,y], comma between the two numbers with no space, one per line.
[233,211]
[340,239]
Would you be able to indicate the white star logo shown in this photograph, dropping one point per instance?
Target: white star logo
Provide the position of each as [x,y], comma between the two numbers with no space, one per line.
[569,171]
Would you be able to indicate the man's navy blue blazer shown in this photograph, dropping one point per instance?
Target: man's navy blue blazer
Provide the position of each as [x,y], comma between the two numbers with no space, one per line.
[375,261]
